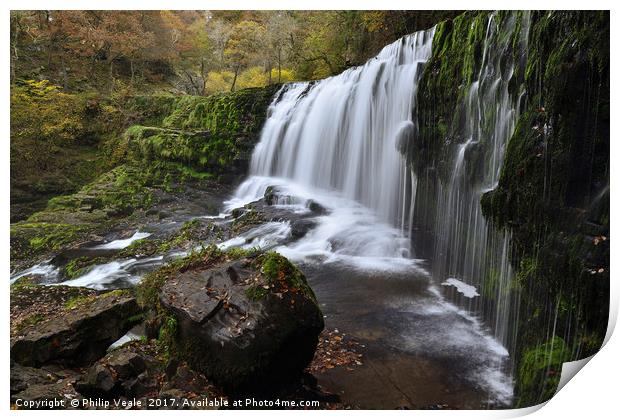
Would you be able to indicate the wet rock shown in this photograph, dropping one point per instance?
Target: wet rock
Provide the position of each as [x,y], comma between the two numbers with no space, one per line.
[78,336]
[101,378]
[247,323]
[145,383]
[405,136]
[238,212]
[315,207]
[171,367]
[187,380]
[299,228]
[123,372]
[270,195]
[273,196]
[164,215]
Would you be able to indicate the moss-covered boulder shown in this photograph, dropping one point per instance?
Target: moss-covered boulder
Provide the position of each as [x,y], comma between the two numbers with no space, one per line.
[244,322]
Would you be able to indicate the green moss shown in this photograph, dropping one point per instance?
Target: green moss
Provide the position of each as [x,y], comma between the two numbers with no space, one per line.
[35,237]
[556,165]
[247,219]
[203,137]
[540,370]
[56,140]
[256,292]
[167,334]
[237,253]
[553,189]
[279,271]
[147,291]
[24,283]
[77,301]
[78,266]
[527,271]
[151,109]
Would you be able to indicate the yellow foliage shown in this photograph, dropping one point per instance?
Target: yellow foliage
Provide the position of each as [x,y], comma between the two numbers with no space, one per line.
[252,77]
[40,110]
[218,81]
[286,75]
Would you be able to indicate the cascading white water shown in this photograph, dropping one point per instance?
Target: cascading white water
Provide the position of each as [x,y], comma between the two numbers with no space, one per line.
[344,135]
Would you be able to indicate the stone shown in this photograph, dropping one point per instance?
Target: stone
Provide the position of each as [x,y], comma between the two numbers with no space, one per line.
[23,377]
[242,327]
[299,228]
[79,336]
[123,372]
[315,207]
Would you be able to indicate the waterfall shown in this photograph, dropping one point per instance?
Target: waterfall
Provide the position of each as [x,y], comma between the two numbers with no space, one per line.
[468,252]
[345,133]
[343,141]
[349,133]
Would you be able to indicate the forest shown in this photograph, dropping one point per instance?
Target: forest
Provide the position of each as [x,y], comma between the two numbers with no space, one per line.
[306,209]
[199,52]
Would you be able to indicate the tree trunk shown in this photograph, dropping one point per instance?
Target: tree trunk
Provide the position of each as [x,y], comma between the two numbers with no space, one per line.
[111,76]
[232,87]
[132,72]
[269,72]
[65,77]
[279,66]
[204,77]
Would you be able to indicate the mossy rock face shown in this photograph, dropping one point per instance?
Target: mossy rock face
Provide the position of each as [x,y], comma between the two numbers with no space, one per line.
[243,321]
[205,137]
[553,195]
[540,370]
[73,219]
[553,192]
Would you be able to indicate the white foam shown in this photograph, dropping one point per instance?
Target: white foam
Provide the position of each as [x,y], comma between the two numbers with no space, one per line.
[348,233]
[263,237]
[123,243]
[46,270]
[219,216]
[465,289]
[103,275]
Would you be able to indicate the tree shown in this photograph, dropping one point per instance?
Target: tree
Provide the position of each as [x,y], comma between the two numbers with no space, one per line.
[121,34]
[244,46]
[193,54]
[280,27]
[219,33]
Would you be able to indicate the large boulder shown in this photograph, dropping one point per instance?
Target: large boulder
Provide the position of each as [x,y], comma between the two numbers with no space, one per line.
[247,323]
[80,335]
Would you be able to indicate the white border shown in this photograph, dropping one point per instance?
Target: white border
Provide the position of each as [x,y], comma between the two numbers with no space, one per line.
[592,395]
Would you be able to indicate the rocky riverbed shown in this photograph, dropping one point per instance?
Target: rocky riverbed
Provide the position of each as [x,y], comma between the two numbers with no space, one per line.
[203,310]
